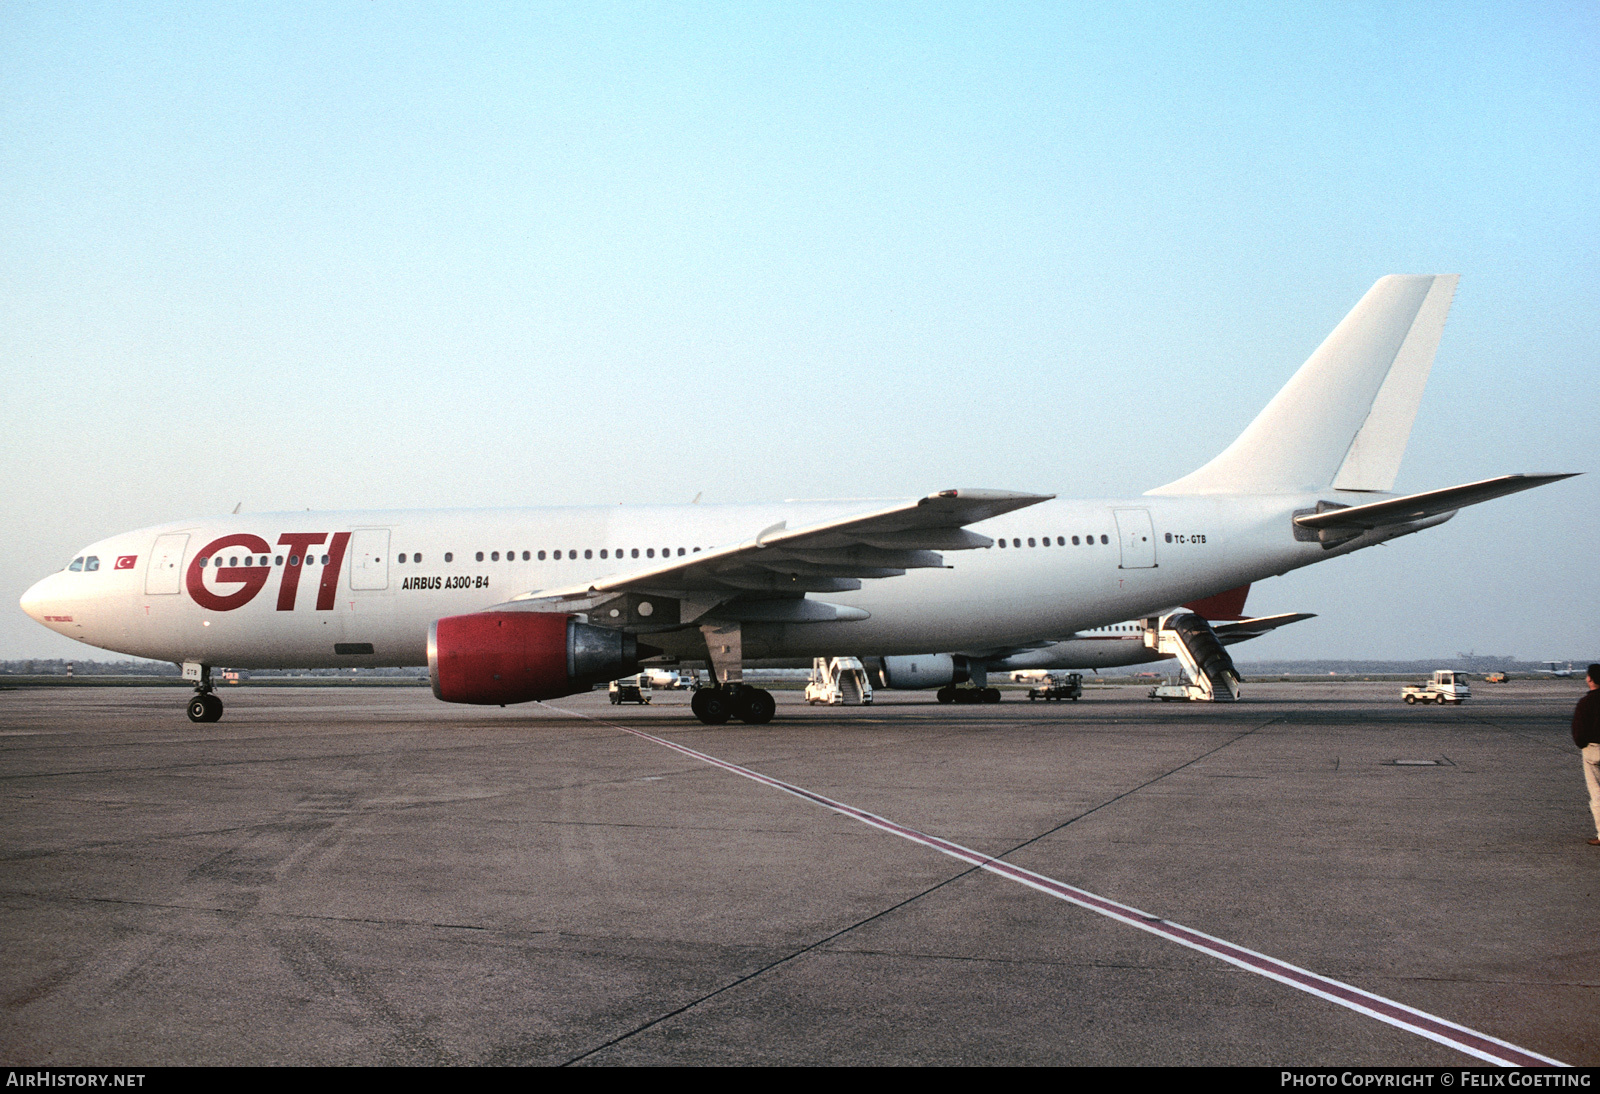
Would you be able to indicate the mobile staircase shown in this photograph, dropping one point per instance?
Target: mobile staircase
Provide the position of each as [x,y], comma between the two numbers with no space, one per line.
[1188,637]
[839,681]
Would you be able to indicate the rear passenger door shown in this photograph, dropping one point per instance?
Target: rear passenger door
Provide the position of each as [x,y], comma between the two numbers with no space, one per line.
[1137,537]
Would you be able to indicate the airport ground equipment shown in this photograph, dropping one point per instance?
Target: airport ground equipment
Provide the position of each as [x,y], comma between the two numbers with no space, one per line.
[1174,693]
[839,681]
[1211,676]
[1446,686]
[630,689]
[1069,686]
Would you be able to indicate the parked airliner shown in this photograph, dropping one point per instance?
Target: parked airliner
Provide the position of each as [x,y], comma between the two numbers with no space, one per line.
[507,606]
[1195,634]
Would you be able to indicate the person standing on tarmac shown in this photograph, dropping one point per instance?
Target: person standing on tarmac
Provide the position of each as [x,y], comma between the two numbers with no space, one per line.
[1586,735]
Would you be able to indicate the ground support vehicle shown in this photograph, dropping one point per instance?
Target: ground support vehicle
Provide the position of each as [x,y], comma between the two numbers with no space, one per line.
[1445,687]
[1069,686]
[839,681]
[630,689]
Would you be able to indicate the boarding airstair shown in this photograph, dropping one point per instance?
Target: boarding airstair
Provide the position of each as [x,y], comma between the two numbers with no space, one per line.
[1211,675]
[839,681]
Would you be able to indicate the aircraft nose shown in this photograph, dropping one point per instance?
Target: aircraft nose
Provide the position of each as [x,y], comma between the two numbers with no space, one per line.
[39,601]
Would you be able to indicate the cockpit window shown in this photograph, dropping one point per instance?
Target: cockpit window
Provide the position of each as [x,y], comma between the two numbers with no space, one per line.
[77,565]
[92,562]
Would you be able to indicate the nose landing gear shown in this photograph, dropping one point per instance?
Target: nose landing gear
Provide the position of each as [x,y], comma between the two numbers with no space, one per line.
[205,706]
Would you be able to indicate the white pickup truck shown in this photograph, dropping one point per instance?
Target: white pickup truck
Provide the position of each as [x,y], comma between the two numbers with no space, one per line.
[1445,687]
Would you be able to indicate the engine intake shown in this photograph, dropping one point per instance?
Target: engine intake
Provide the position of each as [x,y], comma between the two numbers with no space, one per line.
[495,658]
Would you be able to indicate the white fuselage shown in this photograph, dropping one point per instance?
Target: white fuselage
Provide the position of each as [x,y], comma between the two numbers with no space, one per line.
[251,606]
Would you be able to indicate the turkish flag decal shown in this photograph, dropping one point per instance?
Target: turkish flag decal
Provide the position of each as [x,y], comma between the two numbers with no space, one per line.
[125,562]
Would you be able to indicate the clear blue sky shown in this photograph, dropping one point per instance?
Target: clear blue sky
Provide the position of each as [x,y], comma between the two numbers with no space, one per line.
[373,254]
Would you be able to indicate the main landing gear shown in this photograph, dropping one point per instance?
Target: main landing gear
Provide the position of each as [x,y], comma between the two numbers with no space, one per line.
[205,706]
[731,698]
[714,706]
[951,694]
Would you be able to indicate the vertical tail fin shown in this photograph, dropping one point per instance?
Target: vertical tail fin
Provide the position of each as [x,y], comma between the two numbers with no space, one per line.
[1343,420]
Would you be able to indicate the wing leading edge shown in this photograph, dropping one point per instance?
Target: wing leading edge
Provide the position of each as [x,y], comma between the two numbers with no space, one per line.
[783,563]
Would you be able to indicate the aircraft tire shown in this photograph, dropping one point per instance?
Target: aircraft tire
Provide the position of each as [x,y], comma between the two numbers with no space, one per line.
[205,708]
[991,695]
[711,706]
[756,706]
[945,694]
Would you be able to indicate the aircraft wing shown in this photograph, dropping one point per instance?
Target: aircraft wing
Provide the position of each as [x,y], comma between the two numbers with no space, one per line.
[1382,514]
[785,563]
[1246,629]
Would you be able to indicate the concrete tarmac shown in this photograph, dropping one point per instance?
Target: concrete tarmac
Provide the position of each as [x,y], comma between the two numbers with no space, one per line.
[369,876]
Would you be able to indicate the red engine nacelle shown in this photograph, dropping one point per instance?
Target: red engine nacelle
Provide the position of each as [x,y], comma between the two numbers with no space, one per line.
[495,658]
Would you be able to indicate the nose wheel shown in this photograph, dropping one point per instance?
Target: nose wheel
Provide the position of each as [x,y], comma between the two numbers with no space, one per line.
[205,707]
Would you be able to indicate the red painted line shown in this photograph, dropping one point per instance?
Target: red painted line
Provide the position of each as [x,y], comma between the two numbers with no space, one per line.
[1431,1026]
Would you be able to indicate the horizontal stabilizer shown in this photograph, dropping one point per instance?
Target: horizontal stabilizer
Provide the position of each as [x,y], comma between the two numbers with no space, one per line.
[1384,514]
[1246,629]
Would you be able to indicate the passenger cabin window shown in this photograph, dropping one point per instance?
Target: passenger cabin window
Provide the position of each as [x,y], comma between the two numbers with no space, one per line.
[525,556]
[77,565]
[449,556]
[416,558]
[588,554]
[636,552]
[1031,543]
[1105,539]
[480,556]
[541,556]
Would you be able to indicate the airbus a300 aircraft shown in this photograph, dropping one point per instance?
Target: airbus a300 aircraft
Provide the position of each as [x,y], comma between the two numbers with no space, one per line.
[508,606]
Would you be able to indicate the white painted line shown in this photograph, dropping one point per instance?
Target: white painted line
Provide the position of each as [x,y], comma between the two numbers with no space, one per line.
[1445,1032]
